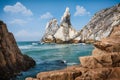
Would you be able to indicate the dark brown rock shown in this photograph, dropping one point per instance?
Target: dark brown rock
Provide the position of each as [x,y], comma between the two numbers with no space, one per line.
[12,61]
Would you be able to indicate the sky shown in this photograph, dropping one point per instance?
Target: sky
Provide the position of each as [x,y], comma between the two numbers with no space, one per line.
[27,19]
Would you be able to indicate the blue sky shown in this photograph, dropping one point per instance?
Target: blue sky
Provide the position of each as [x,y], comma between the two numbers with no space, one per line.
[27,19]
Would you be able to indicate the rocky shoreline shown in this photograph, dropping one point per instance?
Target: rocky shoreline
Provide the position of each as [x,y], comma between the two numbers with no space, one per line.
[12,61]
[103,64]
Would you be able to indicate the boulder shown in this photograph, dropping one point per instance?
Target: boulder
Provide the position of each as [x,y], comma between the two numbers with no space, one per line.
[12,61]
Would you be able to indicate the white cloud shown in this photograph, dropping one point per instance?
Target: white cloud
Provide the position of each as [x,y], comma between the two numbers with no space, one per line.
[80,10]
[47,15]
[18,22]
[24,35]
[18,8]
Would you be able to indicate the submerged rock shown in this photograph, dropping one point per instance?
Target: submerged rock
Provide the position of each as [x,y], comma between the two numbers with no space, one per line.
[12,61]
[63,33]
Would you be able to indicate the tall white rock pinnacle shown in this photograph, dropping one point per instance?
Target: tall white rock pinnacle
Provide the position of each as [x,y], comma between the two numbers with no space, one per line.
[66,15]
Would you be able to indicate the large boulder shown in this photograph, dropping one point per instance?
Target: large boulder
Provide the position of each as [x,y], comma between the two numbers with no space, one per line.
[12,61]
[63,33]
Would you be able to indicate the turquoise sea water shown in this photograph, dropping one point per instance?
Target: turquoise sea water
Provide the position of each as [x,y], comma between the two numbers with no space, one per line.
[52,56]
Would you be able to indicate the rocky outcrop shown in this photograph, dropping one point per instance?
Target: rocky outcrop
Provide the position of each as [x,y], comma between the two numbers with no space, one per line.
[12,61]
[63,33]
[101,25]
[103,64]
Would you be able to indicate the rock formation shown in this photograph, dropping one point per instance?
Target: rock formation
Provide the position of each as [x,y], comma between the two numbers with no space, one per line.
[103,64]
[100,26]
[60,34]
[12,61]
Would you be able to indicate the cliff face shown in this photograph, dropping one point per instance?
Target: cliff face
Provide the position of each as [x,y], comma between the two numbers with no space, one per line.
[11,59]
[103,64]
[101,25]
[63,33]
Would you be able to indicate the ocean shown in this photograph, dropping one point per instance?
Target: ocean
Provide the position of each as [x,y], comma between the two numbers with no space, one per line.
[52,56]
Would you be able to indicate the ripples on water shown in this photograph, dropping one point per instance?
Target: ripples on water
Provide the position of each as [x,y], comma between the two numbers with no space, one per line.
[52,56]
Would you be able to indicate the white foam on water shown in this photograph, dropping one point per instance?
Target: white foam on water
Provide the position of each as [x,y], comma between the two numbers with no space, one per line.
[34,44]
[25,47]
[70,64]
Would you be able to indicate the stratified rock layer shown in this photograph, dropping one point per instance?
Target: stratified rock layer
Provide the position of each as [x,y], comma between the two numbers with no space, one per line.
[11,59]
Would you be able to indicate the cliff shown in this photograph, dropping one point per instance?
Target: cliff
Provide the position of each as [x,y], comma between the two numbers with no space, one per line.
[100,26]
[63,33]
[103,64]
[12,61]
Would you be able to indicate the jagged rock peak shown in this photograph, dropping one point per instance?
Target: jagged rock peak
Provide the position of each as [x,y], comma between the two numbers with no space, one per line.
[66,16]
[60,34]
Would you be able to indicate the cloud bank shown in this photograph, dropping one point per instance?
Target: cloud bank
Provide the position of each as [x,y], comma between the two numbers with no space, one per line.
[18,8]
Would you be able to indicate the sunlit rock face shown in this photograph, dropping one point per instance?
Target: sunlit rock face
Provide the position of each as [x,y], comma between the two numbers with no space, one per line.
[101,24]
[63,33]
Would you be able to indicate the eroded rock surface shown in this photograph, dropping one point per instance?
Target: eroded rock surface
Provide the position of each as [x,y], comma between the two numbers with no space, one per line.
[100,26]
[11,59]
[63,33]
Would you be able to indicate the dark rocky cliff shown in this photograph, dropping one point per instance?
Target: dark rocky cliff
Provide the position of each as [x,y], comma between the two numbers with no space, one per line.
[12,61]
